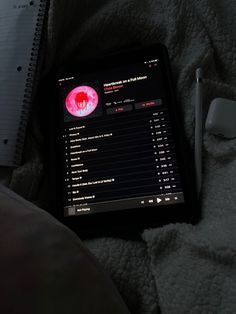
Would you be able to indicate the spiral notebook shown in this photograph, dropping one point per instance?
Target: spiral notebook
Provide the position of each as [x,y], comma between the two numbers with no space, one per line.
[21,28]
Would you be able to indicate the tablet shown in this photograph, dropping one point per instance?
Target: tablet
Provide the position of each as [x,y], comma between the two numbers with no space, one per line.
[123,158]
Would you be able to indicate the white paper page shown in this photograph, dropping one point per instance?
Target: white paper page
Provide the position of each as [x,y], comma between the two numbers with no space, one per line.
[17,27]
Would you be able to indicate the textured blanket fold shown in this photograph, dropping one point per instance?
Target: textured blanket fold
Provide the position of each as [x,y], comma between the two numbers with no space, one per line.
[178,268]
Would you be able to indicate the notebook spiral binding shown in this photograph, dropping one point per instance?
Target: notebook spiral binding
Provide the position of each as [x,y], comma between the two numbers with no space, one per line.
[30,81]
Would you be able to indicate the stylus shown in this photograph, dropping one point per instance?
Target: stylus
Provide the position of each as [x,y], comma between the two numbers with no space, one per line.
[198,129]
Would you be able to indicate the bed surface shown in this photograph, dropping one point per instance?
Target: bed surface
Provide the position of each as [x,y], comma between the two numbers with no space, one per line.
[178,268]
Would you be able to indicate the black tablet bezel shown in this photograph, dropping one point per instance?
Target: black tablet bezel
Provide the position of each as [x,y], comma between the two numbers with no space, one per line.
[114,222]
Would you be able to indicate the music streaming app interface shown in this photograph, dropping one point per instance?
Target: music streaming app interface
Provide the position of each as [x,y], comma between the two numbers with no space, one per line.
[119,151]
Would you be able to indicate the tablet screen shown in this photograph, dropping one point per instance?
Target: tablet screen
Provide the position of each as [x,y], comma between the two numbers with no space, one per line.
[119,150]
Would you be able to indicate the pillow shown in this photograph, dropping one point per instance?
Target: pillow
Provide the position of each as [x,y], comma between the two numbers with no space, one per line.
[45,268]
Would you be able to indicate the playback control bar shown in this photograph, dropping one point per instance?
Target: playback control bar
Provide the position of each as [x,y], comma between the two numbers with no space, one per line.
[129,203]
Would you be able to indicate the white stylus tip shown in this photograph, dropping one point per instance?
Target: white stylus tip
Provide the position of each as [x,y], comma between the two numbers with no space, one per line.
[199,74]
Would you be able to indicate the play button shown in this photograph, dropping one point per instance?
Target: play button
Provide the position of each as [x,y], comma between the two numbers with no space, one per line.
[159,200]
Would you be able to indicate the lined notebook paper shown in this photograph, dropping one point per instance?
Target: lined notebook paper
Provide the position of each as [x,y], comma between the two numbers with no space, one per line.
[21,25]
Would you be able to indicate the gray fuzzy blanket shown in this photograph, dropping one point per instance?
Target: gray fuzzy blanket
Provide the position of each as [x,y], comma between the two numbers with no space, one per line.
[178,268]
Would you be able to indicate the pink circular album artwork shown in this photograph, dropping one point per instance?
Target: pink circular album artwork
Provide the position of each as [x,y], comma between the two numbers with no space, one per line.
[82,101]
